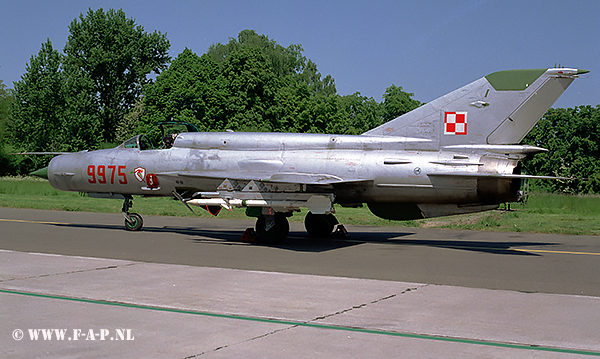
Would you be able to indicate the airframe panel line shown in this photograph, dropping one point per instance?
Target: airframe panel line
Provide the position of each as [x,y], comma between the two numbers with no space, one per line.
[307,324]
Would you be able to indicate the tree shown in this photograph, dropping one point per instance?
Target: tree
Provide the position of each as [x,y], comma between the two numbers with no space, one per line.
[192,89]
[53,109]
[248,84]
[572,137]
[396,103]
[39,102]
[36,114]
[115,56]
[6,99]
[7,163]
[252,85]
[128,127]
[297,79]
[282,61]
[76,101]
[82,123]
[357,114]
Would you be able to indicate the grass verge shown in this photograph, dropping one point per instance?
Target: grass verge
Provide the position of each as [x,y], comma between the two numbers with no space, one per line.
[543,213]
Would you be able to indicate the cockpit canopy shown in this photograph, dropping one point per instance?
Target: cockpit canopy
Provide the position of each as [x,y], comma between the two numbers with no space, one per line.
[161,137]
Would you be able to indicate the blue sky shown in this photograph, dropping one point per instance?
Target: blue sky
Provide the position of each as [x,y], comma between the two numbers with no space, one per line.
[428,47]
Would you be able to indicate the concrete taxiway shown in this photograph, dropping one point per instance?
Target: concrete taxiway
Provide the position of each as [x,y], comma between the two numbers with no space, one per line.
[176,311]
[90,283]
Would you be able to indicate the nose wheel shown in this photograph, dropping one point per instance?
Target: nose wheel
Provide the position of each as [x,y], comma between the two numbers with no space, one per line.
[133,221]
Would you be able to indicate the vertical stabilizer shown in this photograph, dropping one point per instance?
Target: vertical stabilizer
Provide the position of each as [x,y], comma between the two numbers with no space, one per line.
[500,108]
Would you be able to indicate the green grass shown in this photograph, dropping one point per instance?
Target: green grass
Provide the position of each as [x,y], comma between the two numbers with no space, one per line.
[543,213]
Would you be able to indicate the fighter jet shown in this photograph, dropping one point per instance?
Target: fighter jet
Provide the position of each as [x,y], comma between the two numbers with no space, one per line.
[457,154]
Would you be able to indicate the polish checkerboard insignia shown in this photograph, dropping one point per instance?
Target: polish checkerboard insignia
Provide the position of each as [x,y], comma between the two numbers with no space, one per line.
[455,123]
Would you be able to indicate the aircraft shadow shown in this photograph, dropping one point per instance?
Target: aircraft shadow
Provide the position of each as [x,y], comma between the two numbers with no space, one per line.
[495,247]
[302,242]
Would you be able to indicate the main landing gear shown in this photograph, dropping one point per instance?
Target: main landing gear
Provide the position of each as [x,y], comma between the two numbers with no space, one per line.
[319,225]
[133,221]
[274,228]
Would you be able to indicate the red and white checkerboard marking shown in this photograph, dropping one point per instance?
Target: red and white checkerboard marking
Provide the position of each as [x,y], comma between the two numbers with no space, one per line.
[455,123]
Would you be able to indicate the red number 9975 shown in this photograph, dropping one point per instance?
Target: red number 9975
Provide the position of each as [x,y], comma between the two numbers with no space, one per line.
[98,174]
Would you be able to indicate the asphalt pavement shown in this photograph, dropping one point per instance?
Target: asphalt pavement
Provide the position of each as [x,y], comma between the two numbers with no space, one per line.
[186,287]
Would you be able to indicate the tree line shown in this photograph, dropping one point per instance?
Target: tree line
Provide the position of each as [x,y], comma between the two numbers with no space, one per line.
[254,84]
[572,137]
[113,80]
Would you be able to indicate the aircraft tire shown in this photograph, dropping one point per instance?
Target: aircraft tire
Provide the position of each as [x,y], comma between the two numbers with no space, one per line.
[276,234]
[319,225]
[136,224]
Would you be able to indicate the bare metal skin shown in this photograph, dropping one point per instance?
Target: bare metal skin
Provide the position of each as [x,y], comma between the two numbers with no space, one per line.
[456,154]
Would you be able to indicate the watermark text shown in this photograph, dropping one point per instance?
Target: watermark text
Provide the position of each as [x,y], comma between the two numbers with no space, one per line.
[118,334]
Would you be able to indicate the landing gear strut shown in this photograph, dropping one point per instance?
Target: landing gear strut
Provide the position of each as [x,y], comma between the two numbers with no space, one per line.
[319,225]
[133,221]
[272,228]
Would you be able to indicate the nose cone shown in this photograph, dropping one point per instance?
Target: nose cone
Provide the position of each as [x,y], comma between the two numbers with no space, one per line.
[61,172]
[42,173]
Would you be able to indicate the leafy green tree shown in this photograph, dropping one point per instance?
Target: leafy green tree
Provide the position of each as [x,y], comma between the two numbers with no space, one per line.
[292,96]
[293,108]
[116,56]
[76,101]
[37,112]
[357,114]
[39,102]
[397,102]
[192,89]
[127,128]
[8,163]
[249,84]
[312,78]
[572,137]
[282,61]
[252,85]
[6,99]
[306,103]
[81,128]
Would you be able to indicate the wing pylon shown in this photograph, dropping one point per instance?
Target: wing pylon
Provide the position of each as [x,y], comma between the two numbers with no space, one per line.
[277,196]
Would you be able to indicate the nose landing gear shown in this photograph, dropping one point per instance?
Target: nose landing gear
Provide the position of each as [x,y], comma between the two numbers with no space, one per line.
[133,221]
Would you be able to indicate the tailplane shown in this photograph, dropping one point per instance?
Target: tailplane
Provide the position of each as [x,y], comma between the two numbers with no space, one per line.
[498,109]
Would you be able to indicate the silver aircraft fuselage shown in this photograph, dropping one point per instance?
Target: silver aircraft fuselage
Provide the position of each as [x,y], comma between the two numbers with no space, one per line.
[356,169]
[457,154]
